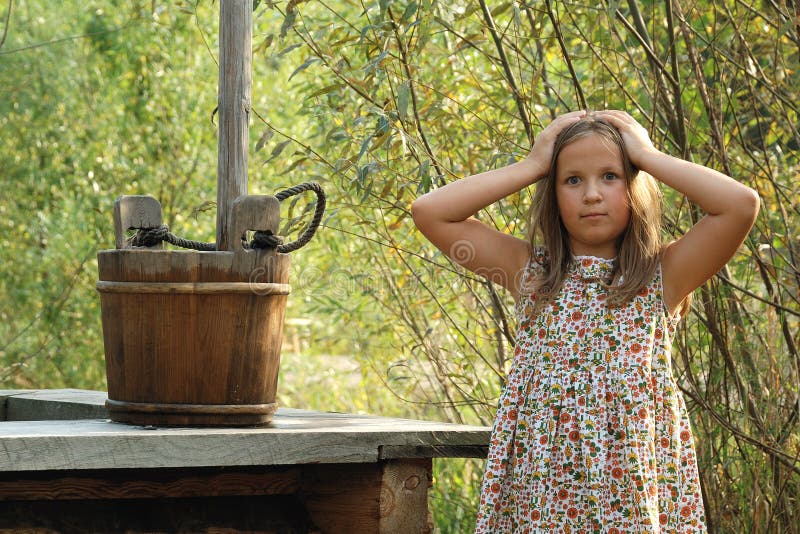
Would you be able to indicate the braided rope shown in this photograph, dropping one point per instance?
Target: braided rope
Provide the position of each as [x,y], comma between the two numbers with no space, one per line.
[148,237]
[319,211]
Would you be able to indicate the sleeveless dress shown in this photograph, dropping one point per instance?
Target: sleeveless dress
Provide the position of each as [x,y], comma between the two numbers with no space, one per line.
[591,433]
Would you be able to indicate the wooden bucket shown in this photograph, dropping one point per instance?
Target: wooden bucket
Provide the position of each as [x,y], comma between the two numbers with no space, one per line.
[193,338]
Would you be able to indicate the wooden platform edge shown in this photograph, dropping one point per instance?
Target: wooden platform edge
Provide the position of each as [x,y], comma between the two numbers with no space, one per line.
[60,430]
[395,452]
[53,405]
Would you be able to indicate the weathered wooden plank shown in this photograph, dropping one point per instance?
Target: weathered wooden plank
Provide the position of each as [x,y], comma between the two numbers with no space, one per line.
[267,514]
[53,405]
[4,395]
[94,444]
[149,483]
[344,498]
[9,392]
[404,497]
[295,437]
[50,445]
[388,452]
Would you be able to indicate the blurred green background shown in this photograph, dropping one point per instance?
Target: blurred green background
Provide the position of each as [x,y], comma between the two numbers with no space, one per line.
[380,101]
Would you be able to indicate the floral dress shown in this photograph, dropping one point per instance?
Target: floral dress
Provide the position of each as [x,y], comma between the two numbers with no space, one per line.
[591,433]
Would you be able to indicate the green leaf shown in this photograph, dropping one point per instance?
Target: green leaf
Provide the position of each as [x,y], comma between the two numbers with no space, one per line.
[265,137]
[376,63]
[288,21]
[325,90]
[383,125]
[277,150]
[364,146]
[384,6]
[265,43]
[403,93]
[367,191]
[502,8]
[307,63]
[288,49]
[297,163]
[337,134]
[424,177]
[411,10]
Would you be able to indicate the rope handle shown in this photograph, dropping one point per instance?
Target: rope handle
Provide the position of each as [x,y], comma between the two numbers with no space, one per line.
[319,211]
[151,232]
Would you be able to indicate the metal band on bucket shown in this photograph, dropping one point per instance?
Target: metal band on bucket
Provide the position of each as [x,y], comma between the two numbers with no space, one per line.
[196,288]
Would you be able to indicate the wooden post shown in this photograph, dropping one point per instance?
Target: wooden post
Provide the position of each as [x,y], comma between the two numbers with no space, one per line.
[235,58]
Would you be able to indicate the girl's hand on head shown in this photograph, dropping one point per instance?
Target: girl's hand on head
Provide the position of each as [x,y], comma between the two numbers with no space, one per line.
[542,151]
[634,135]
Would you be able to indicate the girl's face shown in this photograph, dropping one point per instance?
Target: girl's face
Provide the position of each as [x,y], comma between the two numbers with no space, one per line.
[592,195]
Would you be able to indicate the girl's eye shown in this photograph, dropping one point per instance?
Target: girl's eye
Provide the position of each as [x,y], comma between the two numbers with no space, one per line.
[573,180]
[609,176]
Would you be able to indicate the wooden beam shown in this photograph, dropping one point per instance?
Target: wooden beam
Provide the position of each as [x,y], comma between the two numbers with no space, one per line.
[343,498]
[388,497]
[235,80]
[266,514]
[404,496]
[149,483]
[454,450]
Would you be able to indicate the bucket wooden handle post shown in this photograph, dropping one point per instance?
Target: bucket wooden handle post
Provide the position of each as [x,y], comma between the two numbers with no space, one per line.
[235,80]
[135,211]
[253,212]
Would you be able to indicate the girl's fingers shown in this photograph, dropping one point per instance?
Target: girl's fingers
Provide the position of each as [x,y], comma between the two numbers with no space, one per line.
[615,116]
[568,118]
[543,144]
[561,122]
[619,118]
[634,134]
[571,116]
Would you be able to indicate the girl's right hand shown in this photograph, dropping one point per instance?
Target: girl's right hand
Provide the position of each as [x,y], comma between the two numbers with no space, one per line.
[542,151]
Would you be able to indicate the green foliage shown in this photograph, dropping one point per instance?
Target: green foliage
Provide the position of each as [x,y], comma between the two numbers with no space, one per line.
[382,101]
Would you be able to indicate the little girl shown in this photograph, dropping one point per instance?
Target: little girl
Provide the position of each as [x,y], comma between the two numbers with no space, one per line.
[591,432]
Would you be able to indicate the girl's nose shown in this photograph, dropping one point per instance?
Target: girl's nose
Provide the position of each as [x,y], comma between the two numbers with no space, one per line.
[592,192]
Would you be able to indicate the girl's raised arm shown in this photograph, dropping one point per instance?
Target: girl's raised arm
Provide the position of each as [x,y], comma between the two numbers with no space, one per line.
[730,208]
[445,215]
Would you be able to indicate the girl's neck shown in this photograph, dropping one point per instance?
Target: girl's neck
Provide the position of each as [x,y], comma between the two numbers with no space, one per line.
[605,254]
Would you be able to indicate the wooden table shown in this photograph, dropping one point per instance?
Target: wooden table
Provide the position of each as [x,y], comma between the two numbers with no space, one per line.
[65,467]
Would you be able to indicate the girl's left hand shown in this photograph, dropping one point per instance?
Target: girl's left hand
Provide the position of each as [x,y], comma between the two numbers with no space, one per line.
[634,135]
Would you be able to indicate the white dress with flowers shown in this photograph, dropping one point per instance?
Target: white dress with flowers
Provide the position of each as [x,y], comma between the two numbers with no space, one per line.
[591,432]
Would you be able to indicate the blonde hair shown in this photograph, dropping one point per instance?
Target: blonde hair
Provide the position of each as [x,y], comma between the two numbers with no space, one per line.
[639,247]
